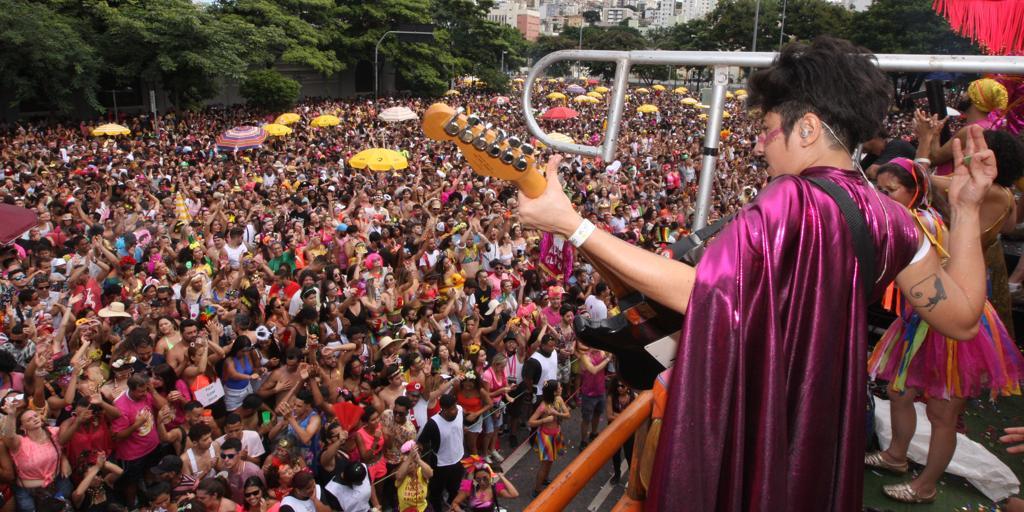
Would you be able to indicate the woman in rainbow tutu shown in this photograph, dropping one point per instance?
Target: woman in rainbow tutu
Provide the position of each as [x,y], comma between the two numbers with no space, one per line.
[920,362]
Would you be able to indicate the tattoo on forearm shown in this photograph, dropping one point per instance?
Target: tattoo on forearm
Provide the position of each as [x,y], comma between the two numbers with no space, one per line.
[928,293]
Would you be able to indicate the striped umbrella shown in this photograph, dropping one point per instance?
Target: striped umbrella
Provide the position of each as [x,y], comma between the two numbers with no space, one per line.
[241,137]
[397,114]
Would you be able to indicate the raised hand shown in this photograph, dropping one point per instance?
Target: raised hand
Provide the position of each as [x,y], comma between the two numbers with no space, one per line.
[552,211]
[973,172]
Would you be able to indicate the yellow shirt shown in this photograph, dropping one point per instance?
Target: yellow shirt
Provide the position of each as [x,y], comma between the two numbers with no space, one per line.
[412,492]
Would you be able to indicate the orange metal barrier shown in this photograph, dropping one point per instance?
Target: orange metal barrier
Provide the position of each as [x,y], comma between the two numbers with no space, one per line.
[557,496]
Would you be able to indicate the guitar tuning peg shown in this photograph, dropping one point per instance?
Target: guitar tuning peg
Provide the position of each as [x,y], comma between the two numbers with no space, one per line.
[473,120]
[494,150]
[527,149]
[452,127]
[480,142]
[514,142]
[468,134]
[520,164]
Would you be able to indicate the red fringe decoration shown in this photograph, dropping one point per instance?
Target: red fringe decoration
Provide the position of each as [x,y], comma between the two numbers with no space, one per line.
[997,25]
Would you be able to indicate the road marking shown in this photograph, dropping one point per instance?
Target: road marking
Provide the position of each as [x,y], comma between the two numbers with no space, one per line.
[513,458]
[606,490]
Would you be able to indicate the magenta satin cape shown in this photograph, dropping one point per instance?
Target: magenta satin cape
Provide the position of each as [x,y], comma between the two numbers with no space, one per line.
[767,400]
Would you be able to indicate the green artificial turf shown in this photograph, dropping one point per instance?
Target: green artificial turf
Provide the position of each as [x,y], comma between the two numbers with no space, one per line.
[985,422]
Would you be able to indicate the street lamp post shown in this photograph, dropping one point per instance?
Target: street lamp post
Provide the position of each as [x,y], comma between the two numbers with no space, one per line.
[782,28]
[503,52]
[376,52]
[113,93]
[757,15]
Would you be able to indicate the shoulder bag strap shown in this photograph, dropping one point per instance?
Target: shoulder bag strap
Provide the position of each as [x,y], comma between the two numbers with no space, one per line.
[863,243]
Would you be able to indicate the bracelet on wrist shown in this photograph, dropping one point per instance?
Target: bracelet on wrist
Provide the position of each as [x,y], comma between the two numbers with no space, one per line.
[582,233]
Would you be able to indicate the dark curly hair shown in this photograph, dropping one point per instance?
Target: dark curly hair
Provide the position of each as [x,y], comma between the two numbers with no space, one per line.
[1009,151]
[833,78]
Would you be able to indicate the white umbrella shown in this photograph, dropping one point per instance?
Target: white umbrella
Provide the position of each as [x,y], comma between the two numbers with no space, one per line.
[398,114]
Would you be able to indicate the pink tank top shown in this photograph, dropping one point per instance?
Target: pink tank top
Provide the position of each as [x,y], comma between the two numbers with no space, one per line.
[37,461]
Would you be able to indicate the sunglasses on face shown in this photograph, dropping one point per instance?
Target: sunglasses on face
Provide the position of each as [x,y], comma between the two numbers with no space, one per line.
[228,456]
[253,494]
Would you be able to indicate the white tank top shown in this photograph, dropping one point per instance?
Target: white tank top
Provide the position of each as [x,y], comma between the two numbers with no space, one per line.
[195,463]
[419,414]
[548,368]
[351,499]
[451,450]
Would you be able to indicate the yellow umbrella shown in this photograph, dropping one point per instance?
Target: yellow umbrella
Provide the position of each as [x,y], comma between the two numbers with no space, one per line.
[325,120]
[642,90]
[287,118]
[557,137]
[110,129]
[276,130]
[552,81]
[729,95]
[701,105]
[555,96]
[585,99]
[451,92]
[658,87]
[690,101]
[518,80]
[702,116]
[601,89]
[726,115]
[595,95]
[379,159]
[680,90]
[741,92]
[647,109]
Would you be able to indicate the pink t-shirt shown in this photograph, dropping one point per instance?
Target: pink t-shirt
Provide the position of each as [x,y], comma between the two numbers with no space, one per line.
[592,384]
[145,439]
[37,461]
[493,380]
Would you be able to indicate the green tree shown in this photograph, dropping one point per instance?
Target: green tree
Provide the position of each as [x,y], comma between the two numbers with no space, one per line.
[591,17]
[269,89]
[476,44]
[177,44]
[907,26]
[44,57]
[295,31]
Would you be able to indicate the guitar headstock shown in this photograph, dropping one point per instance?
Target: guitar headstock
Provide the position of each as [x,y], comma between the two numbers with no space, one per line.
[489,151]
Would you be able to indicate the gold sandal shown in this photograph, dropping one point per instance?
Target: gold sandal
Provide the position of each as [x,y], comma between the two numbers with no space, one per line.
[876,460]
[905,493]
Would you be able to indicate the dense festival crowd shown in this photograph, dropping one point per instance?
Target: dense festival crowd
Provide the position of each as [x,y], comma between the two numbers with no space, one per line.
[189,328]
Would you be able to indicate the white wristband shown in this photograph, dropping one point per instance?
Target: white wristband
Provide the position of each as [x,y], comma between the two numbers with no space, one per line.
[923,161]
[582,233]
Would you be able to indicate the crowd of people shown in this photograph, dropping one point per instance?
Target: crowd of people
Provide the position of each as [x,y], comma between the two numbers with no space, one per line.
[192,328]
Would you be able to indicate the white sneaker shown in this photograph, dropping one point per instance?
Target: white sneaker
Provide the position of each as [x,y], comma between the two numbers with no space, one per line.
[497,456]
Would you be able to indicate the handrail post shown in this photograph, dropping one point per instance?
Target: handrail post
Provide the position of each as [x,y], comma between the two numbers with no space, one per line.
[557,496]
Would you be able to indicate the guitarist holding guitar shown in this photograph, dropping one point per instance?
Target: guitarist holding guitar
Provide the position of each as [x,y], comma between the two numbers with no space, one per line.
[767,397]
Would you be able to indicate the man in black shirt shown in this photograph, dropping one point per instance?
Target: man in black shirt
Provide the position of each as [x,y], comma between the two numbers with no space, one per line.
[879,150]
[442,443]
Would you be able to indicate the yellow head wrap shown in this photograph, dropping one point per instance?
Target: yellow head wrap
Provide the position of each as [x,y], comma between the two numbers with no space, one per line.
[987,95]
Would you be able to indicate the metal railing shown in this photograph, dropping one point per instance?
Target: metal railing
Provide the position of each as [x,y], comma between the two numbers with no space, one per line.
[569,481]
[720,61]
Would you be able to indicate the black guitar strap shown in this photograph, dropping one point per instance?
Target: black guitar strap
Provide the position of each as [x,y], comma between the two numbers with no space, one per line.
[863,242]
[863,245]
